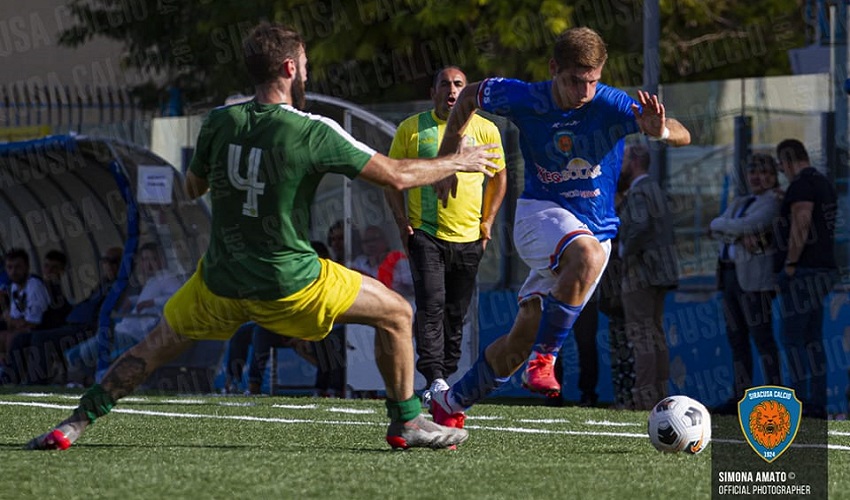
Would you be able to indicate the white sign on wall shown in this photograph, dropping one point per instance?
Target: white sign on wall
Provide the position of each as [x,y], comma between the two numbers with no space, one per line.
[155,184]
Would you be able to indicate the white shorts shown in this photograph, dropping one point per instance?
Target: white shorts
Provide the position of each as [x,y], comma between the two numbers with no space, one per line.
[542,231]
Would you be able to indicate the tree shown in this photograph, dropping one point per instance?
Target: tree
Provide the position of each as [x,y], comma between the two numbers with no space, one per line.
[388,50]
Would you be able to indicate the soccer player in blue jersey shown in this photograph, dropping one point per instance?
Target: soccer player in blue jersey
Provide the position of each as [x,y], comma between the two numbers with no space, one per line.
[571,136]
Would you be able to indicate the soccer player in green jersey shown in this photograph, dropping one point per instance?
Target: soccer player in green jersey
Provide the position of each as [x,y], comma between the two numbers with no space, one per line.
[262,160]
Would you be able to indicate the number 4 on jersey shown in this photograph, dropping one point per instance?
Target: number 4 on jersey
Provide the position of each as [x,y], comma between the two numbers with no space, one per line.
[250,184]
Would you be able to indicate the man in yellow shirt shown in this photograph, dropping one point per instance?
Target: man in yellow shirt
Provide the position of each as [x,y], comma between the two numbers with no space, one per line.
[445,242]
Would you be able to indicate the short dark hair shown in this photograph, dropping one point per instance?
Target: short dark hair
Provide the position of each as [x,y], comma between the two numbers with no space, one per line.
[18,253]
[321,249]
[57,256]
[267,47]
[443,70]
[153,247]
[640,153]
[762,161]
[580,47]
[791,150]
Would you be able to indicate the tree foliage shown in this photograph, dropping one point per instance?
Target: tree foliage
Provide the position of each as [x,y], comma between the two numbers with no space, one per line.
[388,50]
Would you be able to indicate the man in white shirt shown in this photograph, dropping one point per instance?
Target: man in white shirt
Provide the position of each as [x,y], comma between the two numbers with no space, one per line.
[159,286]
[136,318]
[28,299]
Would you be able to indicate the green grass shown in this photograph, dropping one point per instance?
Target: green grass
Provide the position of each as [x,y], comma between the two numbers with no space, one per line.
[514,452]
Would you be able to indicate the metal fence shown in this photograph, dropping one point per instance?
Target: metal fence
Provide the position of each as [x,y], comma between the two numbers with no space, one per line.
[29,111]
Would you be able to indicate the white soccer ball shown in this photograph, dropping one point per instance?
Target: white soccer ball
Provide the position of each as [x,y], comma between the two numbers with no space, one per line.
[679,423]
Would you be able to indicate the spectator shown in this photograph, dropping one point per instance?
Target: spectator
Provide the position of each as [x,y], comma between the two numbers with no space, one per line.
[650,268]
[4,294]
[262,340]
[391,267]
[807,269]
[53,271]
[336,242]
[746,278]
[611,304]
[37,358]
[237,358]
[29,300]
[135,318]
[445,241]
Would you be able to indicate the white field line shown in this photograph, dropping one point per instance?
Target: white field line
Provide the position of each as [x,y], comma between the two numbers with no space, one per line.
[353,411]
[248,418]
[613,424]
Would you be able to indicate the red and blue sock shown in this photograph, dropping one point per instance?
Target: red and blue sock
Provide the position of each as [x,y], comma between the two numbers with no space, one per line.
[555,326]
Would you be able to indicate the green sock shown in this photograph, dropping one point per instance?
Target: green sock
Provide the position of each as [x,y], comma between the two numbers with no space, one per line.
[403,411]
[95,403]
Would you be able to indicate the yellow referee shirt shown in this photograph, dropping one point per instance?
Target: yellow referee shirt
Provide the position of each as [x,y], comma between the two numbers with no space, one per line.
[419,136]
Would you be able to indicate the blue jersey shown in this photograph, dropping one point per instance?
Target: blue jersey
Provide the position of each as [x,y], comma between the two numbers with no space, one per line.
[572,157]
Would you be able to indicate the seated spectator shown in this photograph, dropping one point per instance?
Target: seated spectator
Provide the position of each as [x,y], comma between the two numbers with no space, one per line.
[141,313]
[390,267]
[53,271]
[37,358]
[4,293]
[29,299]
[136,317]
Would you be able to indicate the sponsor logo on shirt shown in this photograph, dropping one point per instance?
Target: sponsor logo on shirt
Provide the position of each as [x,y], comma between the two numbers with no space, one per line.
[572,123]
[576,169]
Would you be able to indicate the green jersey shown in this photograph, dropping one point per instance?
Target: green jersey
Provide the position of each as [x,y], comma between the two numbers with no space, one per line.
[263,163]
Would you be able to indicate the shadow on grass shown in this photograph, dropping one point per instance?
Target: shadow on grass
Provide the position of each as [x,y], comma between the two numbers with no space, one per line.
[7,447]
[20,446]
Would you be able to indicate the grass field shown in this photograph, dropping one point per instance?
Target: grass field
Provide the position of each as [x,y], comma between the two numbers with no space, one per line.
[275,447]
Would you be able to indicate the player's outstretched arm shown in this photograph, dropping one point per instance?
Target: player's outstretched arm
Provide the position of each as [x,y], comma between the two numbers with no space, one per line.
[414,172]
[652,120]
[464,108]
[462,111]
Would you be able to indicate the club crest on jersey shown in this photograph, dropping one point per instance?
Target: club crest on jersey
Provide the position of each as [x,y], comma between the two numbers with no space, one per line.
[770,418]
[564,142]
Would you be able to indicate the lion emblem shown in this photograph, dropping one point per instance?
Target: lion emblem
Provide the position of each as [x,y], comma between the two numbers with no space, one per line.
[770,423]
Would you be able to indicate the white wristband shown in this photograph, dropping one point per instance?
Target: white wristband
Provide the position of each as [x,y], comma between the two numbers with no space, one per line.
[664,135]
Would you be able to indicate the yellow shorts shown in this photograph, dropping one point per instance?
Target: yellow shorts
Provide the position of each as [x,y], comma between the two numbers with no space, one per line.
[197,313]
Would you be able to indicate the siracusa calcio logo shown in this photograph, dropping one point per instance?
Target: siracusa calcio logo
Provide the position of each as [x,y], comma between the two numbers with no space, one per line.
[770,418]
[563,142]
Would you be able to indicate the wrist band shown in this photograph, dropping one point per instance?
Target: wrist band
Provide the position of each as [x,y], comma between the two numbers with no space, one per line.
[663,137]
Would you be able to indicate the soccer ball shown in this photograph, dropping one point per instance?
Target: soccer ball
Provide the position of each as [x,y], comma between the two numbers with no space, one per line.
[679,423]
